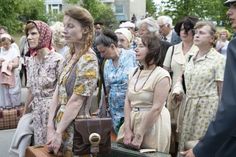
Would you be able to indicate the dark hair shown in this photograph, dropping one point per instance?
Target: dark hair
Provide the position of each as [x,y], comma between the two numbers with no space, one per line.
[188,22]
[106,38]
[152,42]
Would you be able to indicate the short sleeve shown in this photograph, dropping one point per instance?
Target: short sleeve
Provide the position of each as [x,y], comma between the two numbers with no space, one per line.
[167,61]
[219,68]
[86,75]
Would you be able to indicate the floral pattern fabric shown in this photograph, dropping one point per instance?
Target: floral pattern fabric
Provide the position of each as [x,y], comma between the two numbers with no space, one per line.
[201,95]
[116,80]
[42,80]
[84,84]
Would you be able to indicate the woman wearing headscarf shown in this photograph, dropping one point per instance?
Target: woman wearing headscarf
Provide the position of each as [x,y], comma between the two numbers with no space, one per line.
[124,38]
[43,69]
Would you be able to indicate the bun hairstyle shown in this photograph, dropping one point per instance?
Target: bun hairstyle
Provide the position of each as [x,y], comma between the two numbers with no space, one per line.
[188,22]
[106,38]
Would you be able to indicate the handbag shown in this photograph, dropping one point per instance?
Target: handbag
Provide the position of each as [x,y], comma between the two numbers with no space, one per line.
[9,117]
[93,135]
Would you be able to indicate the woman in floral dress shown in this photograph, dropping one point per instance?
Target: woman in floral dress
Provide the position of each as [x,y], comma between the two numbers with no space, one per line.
[117,67]
[203,78]
[43,68]
[77,81]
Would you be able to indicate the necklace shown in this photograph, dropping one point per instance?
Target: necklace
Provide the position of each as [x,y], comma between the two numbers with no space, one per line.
[144,81]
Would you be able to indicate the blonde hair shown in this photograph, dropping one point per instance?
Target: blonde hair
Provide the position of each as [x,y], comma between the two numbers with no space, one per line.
[226,31]
[212,32]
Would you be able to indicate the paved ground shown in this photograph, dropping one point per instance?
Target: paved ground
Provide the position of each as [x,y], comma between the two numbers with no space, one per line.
[5,141]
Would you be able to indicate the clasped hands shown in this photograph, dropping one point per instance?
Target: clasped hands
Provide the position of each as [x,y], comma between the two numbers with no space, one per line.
[132,140]
[54,140]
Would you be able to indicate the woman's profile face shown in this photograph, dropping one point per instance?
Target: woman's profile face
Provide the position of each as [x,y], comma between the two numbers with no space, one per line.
[73,30]
[33,37]
[106,51]
[122,41]
[141,52]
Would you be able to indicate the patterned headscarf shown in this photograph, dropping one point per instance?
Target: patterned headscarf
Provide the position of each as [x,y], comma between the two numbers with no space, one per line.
[45,38]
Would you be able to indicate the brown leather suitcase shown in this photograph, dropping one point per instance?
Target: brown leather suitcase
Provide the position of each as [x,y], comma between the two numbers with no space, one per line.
[9,117]
[38,151]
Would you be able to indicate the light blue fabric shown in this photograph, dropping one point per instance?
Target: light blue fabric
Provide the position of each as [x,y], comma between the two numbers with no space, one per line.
[116,80]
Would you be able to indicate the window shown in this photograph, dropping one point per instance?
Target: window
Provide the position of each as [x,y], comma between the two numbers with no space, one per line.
[119,9]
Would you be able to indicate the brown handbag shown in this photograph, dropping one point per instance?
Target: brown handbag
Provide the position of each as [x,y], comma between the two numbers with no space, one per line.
[93,135]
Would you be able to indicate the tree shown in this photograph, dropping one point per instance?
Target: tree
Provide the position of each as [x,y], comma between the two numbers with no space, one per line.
[151,8]
[204,9]
[9,15]
[14,12]
[98,10]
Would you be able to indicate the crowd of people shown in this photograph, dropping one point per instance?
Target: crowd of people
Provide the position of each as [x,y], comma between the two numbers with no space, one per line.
[163,82]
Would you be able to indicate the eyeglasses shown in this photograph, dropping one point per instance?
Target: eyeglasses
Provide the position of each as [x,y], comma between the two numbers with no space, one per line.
[161,26]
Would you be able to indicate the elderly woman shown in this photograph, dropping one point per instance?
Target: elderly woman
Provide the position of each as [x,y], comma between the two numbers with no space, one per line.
[124,38]
[203,78]
[147,120]
[77,81]
[147,26]
[10,85]
[58,39]
[43,69]
[118,65]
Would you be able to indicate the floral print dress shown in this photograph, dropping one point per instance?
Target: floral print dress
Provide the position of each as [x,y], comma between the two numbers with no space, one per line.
[116,80]
[42,81]
[81,79]
[201,95]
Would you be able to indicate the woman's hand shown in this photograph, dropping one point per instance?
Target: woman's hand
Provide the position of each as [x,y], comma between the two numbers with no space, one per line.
[137,141]
[50,132]
[188,153]
[128,137]
[55,143]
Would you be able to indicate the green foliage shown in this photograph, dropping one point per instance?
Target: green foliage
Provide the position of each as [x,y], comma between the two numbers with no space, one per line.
[151,8]
[204,9]
[9,12]
[100,12]
[32,10]
[15,12]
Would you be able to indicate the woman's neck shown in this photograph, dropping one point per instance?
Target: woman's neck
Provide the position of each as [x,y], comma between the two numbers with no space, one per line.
[116,57]
[203,50]
[146,67]
[187,46]
[42,53]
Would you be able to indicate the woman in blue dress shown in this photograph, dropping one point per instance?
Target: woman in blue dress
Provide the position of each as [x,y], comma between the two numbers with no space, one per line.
[117,67]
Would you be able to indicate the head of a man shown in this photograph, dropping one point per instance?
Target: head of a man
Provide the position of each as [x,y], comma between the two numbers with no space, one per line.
[231,4]
[165,25]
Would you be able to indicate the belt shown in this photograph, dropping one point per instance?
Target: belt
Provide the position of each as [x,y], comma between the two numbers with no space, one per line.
[137,109]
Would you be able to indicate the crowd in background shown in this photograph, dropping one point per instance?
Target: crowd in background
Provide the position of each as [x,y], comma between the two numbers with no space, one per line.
[163,81]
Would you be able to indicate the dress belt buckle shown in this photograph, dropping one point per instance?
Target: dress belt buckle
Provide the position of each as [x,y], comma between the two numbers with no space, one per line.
[136,109]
